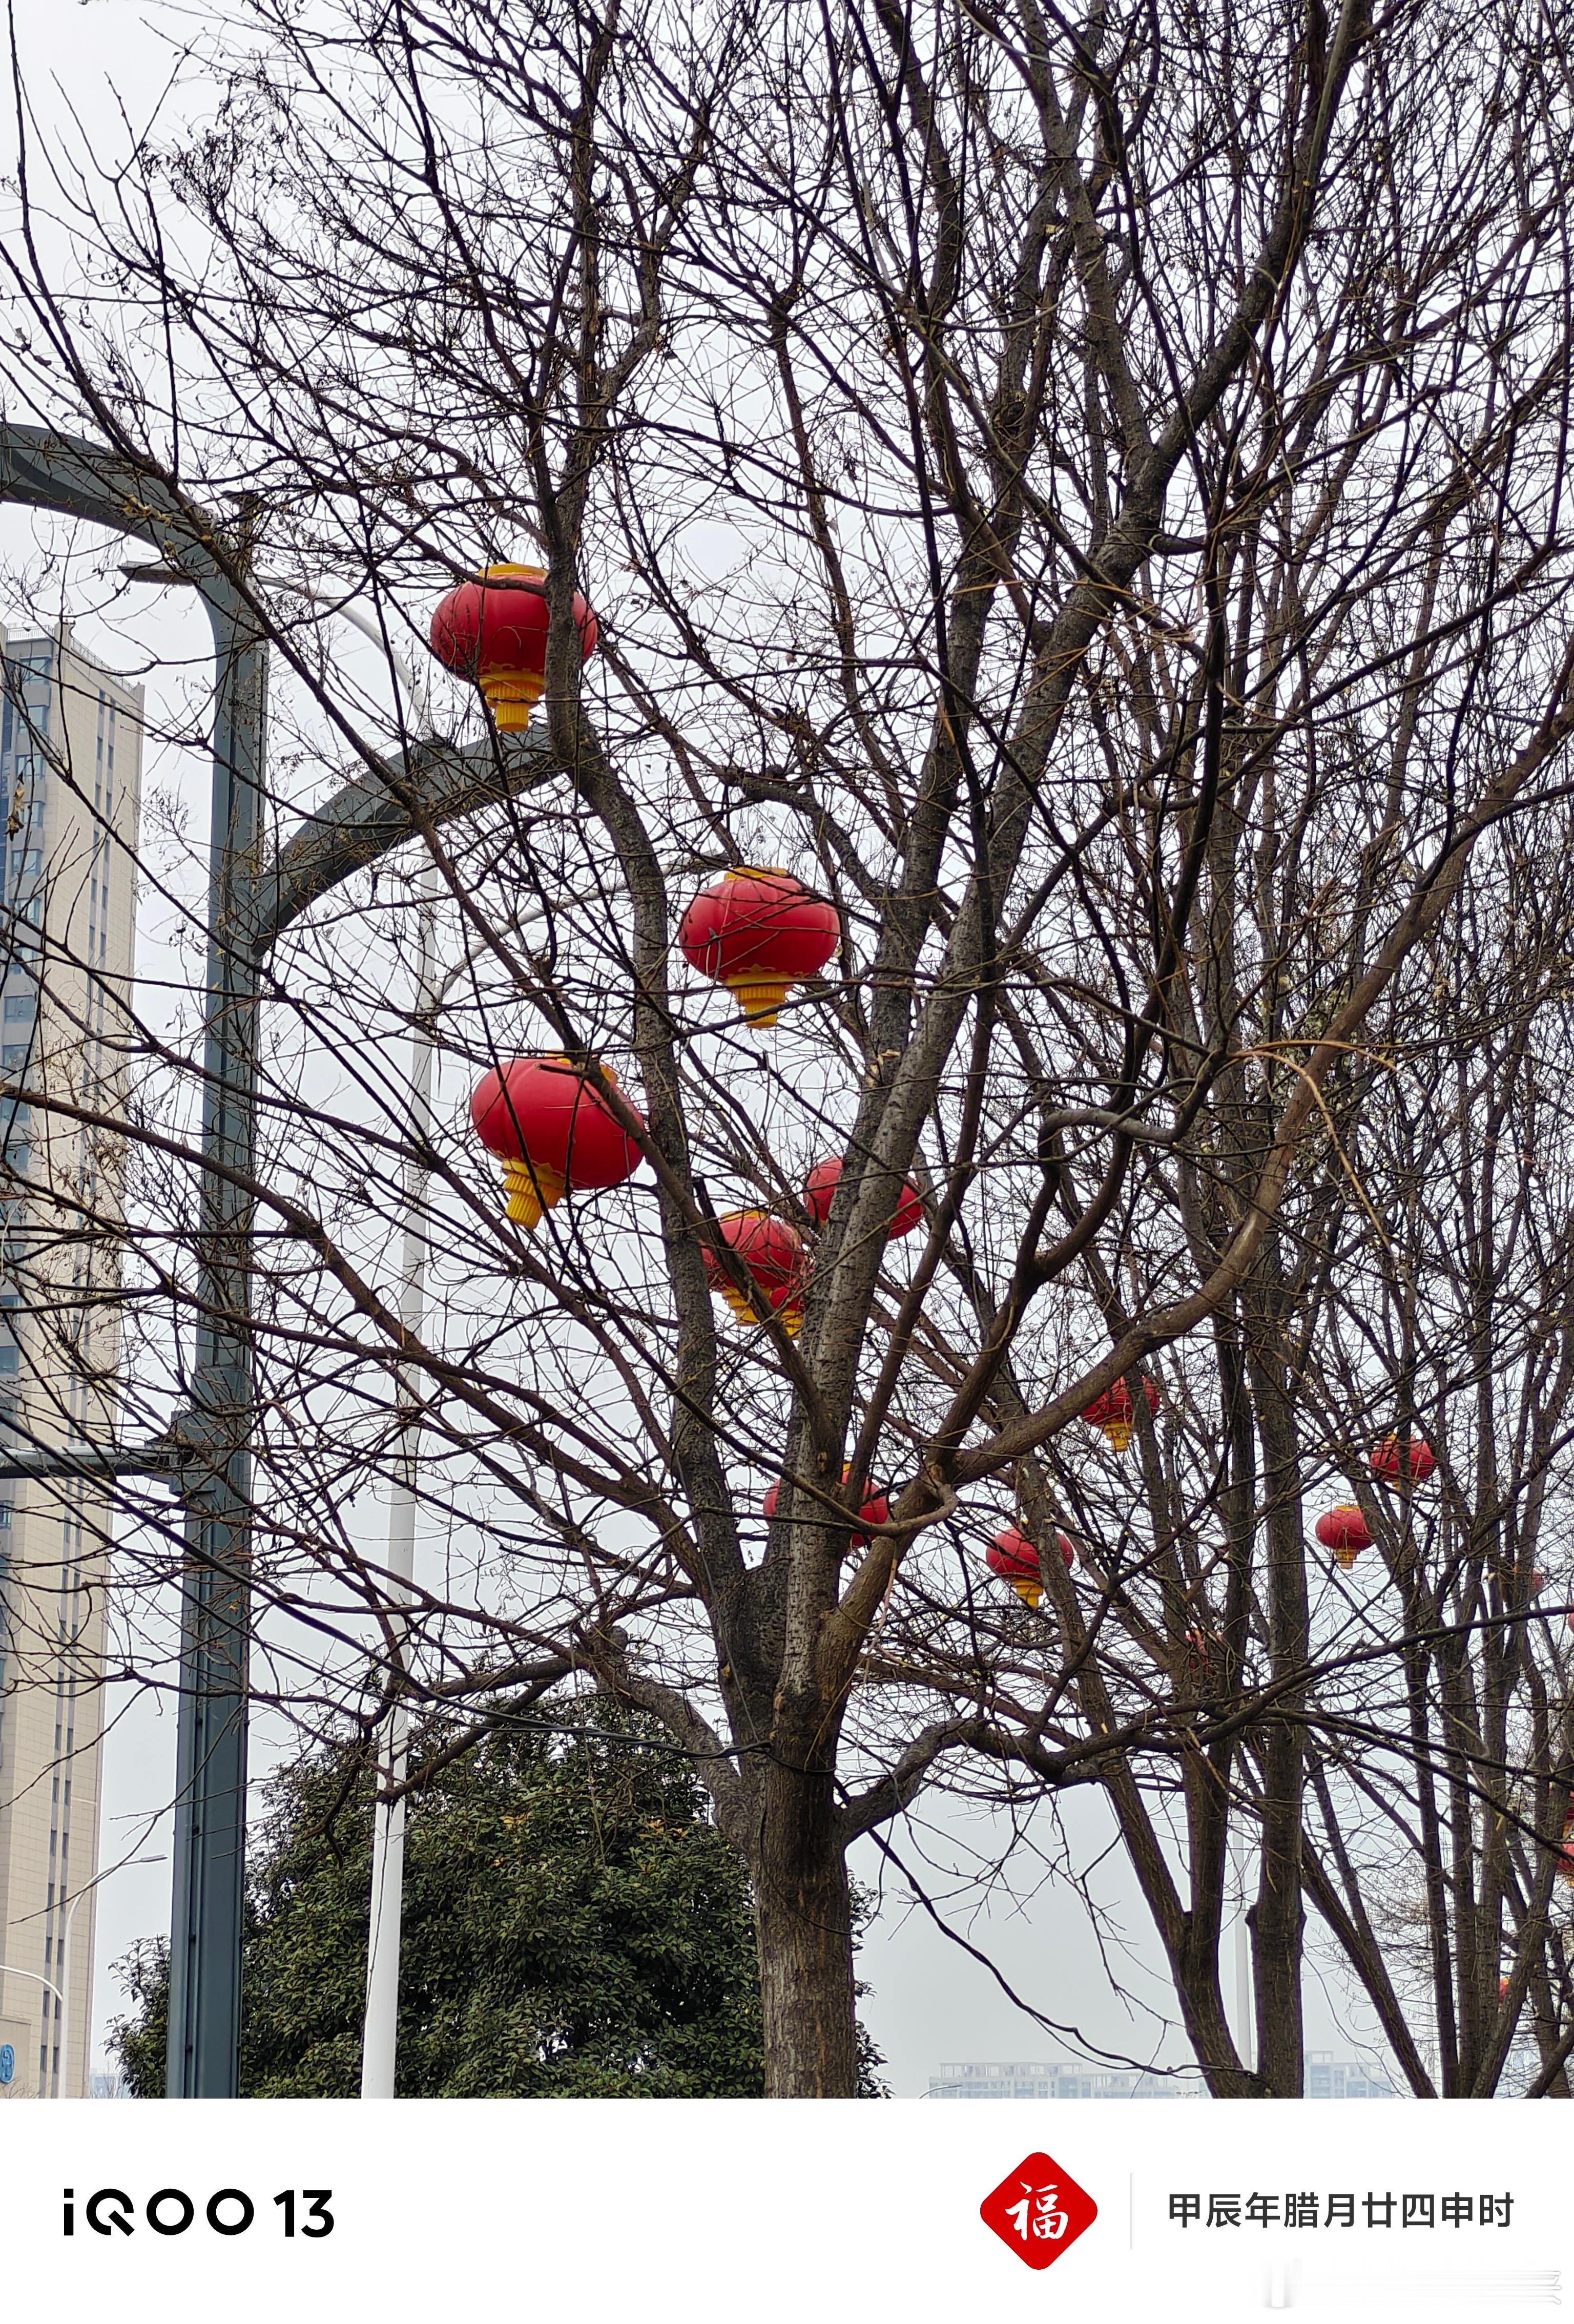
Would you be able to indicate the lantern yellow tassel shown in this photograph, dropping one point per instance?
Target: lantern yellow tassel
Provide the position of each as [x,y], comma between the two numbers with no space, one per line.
[791,1316]
[759,997]
[510,696]
[530,1189]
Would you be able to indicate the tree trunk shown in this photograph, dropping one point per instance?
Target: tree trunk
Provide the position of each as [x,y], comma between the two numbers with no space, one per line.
[804,1917]
[1277,1920]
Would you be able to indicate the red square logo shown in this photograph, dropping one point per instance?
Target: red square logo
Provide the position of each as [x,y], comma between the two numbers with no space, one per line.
[1038,2210]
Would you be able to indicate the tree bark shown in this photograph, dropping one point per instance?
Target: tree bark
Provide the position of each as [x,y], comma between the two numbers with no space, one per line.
[1277,1920]
[804,1915]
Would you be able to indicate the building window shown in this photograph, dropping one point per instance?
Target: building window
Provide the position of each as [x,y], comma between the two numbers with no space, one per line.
[20,1008]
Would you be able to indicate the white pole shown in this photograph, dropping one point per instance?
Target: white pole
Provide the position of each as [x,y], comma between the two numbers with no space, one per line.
[379,2031]
[1243,1976]
[85,1890]
[380,2040]
[320,594]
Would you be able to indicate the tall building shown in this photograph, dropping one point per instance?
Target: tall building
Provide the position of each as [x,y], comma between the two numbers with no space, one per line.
[71,767]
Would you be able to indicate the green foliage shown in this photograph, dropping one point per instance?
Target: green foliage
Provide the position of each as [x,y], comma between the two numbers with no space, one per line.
[575,1927]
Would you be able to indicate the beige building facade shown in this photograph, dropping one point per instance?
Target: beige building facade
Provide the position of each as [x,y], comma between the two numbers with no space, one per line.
[71,768]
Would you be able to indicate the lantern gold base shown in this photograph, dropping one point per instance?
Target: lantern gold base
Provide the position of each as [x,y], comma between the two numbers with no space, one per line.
[1344,1557]
[791,1316]
[531,1189]
[510,696]
[759,997]
[1030,1593]
[1118,1432]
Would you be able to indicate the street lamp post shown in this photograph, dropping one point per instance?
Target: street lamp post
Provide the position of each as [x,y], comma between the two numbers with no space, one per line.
[379,2031]
[210,1769]
[85,1890]
[208,1451]
[380,2024]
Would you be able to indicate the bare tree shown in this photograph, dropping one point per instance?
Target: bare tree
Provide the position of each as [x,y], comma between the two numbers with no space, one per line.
[1404,1359]
[1088,499]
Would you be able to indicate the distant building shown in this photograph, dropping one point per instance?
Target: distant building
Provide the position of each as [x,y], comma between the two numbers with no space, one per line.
[1055,2077]
[70,763]
[1327,2077]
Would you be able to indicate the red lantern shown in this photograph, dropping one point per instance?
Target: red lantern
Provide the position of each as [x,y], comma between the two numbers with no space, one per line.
[820,1192]
[774,1254]
[876,1510]
[1013,1557]
[1346,1532]
[553,1131]
[1403,1465]
[1112,1411]
[759,933]
[497,637]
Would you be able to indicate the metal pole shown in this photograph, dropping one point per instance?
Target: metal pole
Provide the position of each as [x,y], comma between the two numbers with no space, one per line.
[380,2041]
[44,469]
[250,903]
[211,1804]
